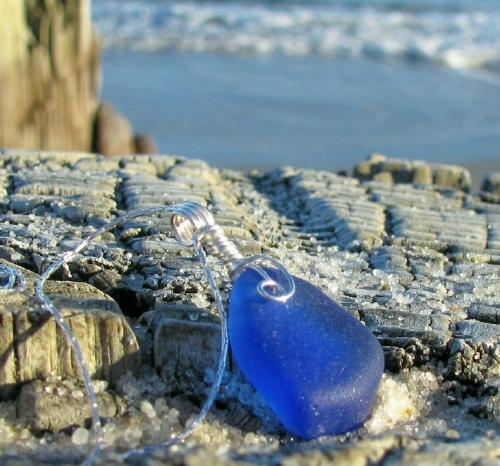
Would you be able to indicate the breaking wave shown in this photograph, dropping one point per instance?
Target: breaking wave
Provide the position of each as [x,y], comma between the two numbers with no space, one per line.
[460,34]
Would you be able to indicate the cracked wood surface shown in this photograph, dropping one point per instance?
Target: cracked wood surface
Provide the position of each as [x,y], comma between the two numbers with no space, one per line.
[418,263]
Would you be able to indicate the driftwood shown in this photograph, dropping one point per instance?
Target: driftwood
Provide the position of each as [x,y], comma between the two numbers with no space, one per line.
[418,263]
[49,74]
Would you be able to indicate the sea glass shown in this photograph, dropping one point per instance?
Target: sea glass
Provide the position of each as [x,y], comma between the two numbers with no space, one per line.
[317,366]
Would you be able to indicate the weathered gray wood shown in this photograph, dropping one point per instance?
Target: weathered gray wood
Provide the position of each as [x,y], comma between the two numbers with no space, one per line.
[56,404]
[491,183]
[418,264]
[32,346]
[387,170]
[415,241]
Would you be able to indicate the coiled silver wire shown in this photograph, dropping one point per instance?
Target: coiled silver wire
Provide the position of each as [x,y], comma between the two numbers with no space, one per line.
[191,220]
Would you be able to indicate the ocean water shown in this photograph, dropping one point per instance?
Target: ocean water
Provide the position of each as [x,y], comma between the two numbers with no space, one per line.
[319,83]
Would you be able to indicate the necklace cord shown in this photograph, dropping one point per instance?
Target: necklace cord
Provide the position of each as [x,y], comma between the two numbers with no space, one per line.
[192,225]
[14,275]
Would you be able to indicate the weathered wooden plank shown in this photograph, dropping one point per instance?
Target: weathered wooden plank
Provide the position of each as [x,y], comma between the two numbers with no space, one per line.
[417,265]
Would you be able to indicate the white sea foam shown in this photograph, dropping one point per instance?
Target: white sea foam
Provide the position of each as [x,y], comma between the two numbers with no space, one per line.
[458,34]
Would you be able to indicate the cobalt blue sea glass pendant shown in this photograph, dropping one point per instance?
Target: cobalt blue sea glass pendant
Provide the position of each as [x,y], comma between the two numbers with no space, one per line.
[317,366]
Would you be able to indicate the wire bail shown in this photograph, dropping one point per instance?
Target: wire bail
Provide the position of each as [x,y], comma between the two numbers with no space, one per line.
[284,292]
[192,222]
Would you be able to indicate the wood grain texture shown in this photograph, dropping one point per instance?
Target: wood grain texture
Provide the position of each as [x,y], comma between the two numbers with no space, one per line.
[49,74]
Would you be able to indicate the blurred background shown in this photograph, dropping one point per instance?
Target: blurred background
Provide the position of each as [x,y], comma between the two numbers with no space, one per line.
[255,83]
[317,83]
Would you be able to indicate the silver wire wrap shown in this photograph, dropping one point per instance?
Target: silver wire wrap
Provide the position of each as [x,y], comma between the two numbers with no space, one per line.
[193,225]
[192,221]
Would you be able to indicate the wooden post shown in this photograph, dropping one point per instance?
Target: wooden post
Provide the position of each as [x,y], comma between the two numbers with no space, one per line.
[49,74]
